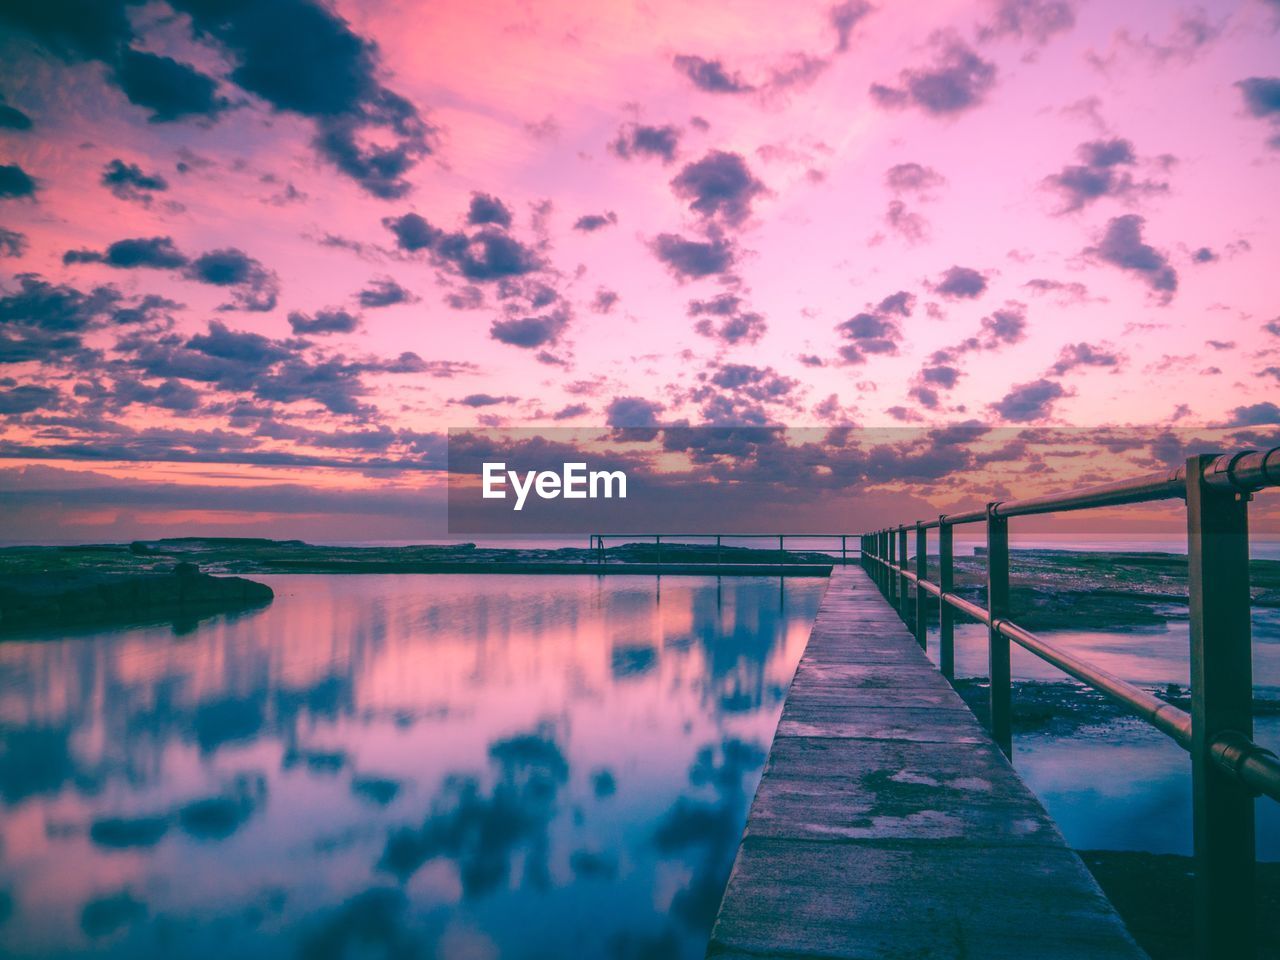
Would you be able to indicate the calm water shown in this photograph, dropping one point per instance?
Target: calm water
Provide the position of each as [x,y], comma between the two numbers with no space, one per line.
[464,767]
[1125,786]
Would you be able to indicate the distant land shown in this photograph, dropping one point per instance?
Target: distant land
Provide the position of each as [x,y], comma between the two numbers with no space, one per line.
[106,583]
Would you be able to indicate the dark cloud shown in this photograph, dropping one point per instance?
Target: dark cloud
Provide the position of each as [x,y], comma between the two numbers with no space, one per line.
[1034,20]
[41,305]
[960,283]
[412,232]
[105,915]
[15,182]
[488,254]
[1262,99]
[710,75]
[253,286]
[719,187]
[912,178]
[169,395]
[639,140]
[1028,402]
[691,259]
[1272,327]
[589,223]
[76,31]
[1122,246]
[12,243]
[72,29]
[762,384]
[1256,415]
[169,89]
[632,412]
[957,80]
[383,292]
[1083,355]
[157,253]
[1204,255]
[571,411]
[844,17]
[1005,326]
[533,312]
[298,56]
[605,300]
[26,398]
[531,332]
[724,318]
[482,400]
[11,118]
[332,320]
[251,349]
[150,308]
[1100,174]
[488,209]
[332,77]
[875,331]
[1001,328]
[128,182]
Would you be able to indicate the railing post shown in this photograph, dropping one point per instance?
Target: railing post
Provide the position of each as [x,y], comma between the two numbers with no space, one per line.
[946,618]
[997,643]
[657,541]
[717,550]
[1221,701]
[902,571]
[844,552]
[891,548]
[922,572]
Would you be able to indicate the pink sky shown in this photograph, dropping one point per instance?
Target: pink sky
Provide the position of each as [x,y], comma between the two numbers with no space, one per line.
[1025,212]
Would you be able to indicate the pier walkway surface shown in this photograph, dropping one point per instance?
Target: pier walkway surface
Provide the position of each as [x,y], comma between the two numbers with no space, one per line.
[888,824]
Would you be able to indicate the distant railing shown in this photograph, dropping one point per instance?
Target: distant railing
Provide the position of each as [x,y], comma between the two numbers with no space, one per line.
[691,539]
[1227,768]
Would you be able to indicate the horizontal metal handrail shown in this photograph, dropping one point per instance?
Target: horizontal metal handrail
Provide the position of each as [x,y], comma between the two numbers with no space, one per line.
[1236,754]
[1243,472]
[1227,768]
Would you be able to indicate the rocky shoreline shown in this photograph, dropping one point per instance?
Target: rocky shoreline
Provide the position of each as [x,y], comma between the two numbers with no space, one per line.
[60,598]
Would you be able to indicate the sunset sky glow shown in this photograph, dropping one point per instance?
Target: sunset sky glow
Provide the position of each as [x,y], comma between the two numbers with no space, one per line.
[257,258]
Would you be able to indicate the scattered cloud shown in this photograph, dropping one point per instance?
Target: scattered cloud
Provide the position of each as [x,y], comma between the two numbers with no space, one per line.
[1262,100]
[591,222]
[332,320]
[15,182]
[638,141]
[128,182]
[957,80]
[725,319]
[1030,402]
[1122,246]
[710,76]
[694,259]
[720,188]
[1035,20]
[960,283]
[384,292]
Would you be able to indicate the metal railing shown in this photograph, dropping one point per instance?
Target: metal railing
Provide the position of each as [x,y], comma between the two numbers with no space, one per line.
[597,542]
[1227,768]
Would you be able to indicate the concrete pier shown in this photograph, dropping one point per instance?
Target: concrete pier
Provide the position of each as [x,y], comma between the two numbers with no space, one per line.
[888,825]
